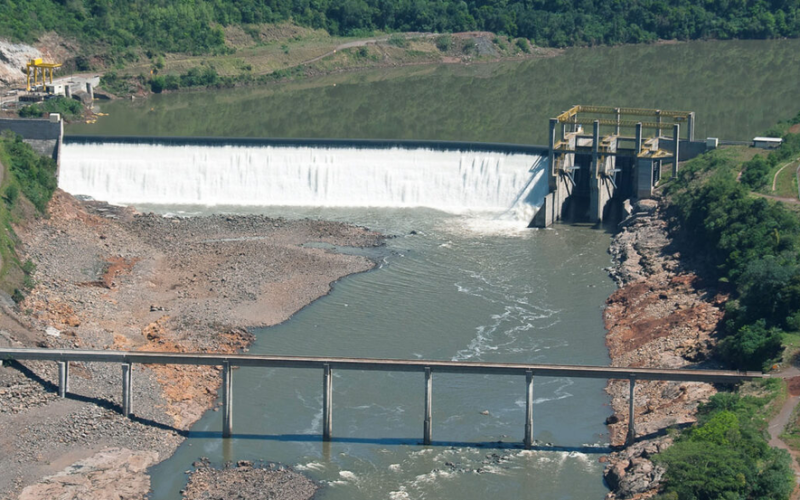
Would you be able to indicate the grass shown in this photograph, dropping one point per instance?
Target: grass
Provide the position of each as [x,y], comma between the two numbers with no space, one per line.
[786,183]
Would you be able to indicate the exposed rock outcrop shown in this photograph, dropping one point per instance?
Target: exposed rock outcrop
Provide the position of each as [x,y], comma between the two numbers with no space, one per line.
[661,316]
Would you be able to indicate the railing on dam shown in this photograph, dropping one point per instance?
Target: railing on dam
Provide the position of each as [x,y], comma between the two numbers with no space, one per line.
[495,147]
[327,365]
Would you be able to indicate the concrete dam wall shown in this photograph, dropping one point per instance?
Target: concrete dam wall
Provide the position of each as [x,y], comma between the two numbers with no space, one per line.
[453,177]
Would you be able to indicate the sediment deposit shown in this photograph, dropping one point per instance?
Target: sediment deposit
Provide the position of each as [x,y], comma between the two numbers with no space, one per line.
[109,278]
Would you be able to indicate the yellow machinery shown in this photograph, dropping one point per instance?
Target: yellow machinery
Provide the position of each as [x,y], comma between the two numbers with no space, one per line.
[37,65]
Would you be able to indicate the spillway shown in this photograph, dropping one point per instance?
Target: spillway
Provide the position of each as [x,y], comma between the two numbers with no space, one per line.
[453,178]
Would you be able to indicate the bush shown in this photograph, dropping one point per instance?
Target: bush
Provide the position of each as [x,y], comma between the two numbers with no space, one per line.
[469,45]
[444,43]
[28,267]
[68,108]
[172,82]
[157,84]
[752,347]
[523,45]
[726,456]
[11,195]
[36,175]
[398,41]
[755,175]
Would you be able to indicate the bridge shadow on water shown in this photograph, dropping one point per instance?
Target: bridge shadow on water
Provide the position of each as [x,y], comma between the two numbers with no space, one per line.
[317,438]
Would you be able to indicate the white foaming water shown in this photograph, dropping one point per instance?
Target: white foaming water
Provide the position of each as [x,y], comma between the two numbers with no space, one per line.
[510,185]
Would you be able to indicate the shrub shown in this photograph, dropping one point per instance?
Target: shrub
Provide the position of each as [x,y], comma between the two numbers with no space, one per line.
[398,41]
[11,195]
[68,108]
[755,175]
[157,84]
[523,45]
[752,346]
[35,175]
[469,45]
[444,43]
[28,267]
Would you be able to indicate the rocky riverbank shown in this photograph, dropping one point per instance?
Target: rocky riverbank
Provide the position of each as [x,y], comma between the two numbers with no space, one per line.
[247,480]
[661,316]
[109,278]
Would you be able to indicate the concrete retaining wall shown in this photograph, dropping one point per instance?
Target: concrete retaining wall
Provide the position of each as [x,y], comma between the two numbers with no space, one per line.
[32,128]
[42,134]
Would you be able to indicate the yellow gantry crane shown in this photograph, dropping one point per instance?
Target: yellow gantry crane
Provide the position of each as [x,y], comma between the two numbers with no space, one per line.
[37,65]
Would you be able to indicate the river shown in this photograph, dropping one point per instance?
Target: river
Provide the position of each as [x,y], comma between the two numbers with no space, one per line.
[466,287]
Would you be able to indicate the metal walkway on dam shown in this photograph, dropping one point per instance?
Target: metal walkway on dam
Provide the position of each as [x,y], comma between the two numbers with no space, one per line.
[327,365]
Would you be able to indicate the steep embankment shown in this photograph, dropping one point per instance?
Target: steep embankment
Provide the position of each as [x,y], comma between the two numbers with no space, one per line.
[661,316]
[112,279]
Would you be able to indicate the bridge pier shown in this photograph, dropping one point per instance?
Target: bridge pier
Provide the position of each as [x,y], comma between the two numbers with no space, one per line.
[126,389]
[676,134]
[63,379]
[631,422]
[529,410]
[327,403]
[227,400]
[426,438]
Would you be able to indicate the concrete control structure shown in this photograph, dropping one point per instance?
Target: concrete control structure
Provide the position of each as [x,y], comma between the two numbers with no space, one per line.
[618,155]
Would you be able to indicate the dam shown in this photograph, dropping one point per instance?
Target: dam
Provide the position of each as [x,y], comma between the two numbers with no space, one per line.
[580,175]
[452,177]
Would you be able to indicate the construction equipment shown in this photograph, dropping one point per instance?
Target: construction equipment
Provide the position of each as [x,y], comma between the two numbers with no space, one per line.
[39,66]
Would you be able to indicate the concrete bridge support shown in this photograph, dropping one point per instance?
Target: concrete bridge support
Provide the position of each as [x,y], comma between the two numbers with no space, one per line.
[426,427]
[227,400]
[63,379]
[327,403]
[126,389]
[127,358]
[528,442]
[631,422]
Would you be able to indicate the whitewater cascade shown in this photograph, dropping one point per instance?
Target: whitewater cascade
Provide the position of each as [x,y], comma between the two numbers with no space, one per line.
[254,175]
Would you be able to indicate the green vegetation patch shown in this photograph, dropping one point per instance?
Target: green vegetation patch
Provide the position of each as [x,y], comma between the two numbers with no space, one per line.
[199,26]
[726,455]
[31,173]
[750,243]
[68,108]
[25,174]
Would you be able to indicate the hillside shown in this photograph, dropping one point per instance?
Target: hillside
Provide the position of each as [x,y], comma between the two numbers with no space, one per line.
[118,28]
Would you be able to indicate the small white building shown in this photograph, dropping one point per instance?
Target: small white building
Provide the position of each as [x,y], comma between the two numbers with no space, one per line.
[767,142]
[55,88]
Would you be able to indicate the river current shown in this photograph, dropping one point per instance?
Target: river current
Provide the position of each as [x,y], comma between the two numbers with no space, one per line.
[463,287]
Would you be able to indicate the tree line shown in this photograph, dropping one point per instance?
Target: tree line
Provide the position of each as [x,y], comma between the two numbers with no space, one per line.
[197,25]
[750,244]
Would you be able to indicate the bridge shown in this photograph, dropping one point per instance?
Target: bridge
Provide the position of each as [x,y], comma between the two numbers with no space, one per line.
[327,365]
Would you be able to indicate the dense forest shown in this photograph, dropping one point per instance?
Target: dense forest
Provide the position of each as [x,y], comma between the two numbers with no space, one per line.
[196,25]
[751,243]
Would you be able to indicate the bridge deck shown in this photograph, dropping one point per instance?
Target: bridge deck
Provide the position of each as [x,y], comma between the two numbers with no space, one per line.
[391,365]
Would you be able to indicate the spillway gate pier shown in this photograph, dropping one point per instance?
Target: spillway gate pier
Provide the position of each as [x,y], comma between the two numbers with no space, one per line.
[618,155]
[327,365]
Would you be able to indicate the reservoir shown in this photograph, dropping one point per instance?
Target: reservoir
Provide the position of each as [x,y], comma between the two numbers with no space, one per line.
[451,284]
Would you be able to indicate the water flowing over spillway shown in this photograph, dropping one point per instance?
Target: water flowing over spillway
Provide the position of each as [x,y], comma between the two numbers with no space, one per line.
[256,175]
